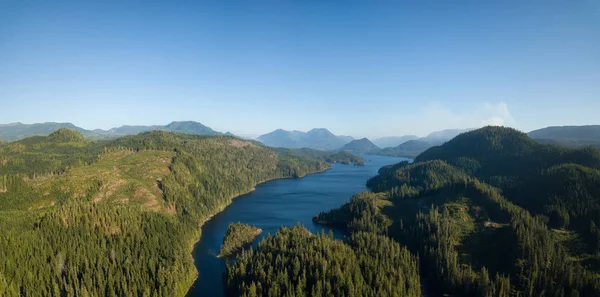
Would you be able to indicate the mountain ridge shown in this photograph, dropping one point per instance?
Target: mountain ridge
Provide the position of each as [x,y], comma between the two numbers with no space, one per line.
[392,141]
[17,131]
[568,136]
[316,138]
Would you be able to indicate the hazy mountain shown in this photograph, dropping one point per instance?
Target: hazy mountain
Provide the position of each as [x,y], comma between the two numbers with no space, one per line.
[16,131]
[345,138]
[414,147]
[411,148]
[128,130]
[361,146]
[318,138]
[392,141]
[445,135]
[568,136]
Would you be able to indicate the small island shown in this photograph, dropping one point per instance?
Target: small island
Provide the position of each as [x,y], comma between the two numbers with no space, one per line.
[238,237]
[346,158]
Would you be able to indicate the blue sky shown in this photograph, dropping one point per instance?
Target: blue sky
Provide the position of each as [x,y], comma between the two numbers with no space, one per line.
[357,68]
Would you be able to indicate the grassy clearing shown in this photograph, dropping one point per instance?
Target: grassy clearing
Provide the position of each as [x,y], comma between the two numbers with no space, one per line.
[118,177]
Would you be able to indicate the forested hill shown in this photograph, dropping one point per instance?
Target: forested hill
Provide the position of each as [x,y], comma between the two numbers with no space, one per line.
[490,213]
[119,217]
[329,157]
[361,146]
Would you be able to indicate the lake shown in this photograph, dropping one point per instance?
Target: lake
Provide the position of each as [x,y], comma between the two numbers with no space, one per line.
[283,202]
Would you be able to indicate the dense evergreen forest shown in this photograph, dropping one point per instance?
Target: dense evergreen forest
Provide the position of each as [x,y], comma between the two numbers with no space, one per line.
[296,263]
[490,213]
[119,217]
[237,237]
[341,157]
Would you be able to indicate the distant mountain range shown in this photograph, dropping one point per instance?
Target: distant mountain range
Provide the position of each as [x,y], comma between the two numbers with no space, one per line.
[568,136]
[323,139]
[413,148]
[318,138]
[16,131]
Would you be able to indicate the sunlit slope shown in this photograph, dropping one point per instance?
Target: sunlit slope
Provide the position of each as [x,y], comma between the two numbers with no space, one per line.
[117,177]
[119,218]
[491,213]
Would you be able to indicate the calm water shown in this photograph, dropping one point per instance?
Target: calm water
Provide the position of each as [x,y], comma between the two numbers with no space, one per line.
[283,202]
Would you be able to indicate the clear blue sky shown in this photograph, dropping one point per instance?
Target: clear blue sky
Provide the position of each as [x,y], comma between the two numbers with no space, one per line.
[364,68]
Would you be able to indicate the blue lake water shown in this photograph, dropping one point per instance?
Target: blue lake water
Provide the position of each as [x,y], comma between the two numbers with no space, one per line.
[277,203]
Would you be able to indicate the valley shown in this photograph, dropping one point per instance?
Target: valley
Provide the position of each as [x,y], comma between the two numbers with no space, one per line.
[144,200]
[74,211]
[299,148]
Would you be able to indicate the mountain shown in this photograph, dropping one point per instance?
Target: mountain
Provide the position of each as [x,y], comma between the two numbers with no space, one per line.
[568,136]
[392,141]
[445,135]
[490,213]
[283,138]
[187,127]
[409,149]
[318,138]
[191,127]
[412,148]
[345,138]
[16,131]
[361,146]
[128,130]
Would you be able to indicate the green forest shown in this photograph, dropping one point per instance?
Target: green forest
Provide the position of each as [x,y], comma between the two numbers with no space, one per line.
[237,237]
[490,213]
[119,217]
[295,262]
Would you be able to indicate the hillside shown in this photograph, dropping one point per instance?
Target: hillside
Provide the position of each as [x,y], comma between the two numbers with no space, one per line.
[134,202]
[568,136]
[392,141]
[361,146]
[318,138]
[490,213]
[16,131]
[330,157]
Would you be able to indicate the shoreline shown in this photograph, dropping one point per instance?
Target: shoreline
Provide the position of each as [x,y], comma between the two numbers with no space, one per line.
[199,230]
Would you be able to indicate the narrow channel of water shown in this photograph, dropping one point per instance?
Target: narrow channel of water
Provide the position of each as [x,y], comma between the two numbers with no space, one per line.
[277,203]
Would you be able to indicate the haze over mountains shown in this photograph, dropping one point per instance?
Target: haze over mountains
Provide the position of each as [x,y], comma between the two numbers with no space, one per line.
[391,141]
[568,136]
[16,131]
[317,138]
